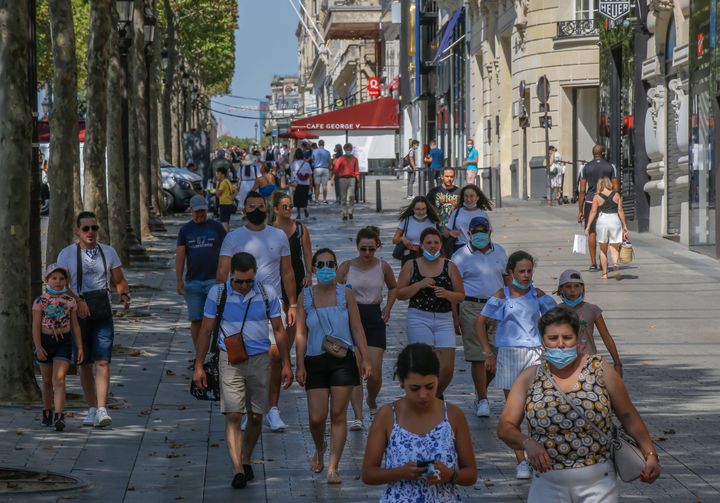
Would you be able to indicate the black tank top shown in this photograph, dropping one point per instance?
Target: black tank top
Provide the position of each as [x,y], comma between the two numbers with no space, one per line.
[425,299]
[609,206]
[296,259]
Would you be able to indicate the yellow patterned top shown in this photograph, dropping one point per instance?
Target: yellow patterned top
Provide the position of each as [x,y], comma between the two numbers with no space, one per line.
[568,440]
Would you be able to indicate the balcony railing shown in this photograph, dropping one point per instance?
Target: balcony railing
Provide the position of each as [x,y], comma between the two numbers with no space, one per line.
[576,28]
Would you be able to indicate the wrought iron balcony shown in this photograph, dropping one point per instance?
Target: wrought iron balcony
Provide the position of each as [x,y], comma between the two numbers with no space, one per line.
[577,28]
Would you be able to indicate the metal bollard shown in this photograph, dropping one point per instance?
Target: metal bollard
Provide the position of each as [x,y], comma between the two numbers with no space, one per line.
[378,197]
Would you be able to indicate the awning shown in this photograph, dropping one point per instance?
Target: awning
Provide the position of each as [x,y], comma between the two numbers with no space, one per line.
[447,35]
[43,129]
[299,135]
[382,113]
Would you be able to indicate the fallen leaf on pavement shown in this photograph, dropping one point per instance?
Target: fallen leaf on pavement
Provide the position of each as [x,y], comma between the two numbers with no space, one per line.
[169,372]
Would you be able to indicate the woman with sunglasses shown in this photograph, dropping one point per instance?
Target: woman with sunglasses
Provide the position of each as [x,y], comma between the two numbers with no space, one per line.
[433,284]
[367,275]
[328,310]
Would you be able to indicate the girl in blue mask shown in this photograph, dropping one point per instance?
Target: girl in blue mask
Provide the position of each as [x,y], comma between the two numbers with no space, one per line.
[432,284]
[415,218]
[329,310]
[571,289]
[570,461]
[471,203]
[517,308]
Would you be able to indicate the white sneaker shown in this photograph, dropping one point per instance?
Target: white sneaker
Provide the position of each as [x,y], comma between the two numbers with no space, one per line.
[90,418]
[274,421]
[356,425]
[102,418]
[522,471]
[483,408]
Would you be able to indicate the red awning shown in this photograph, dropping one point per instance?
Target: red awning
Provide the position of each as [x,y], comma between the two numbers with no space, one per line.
[382,113]
[299,135]
[43,129]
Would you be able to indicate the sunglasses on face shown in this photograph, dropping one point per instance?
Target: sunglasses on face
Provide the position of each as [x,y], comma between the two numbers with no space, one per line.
[87,228]
[366,249]
[243,281]
[329,263]
[286,206]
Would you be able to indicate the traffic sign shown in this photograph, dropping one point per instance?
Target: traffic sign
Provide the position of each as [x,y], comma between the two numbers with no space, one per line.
[543,90]
[373,87]
[339,102]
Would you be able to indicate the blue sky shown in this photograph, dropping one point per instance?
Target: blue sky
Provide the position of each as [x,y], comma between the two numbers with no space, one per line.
[265,45]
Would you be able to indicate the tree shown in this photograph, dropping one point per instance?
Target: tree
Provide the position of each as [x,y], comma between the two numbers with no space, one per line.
[17,380]
[95,193]
[140,181]
[64,144]
[227,140]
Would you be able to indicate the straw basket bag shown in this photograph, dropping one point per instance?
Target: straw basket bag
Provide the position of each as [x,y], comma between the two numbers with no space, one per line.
[627,253]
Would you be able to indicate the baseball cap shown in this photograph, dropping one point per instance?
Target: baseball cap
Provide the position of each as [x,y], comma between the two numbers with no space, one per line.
[570,276]
[477,221]
[51,268]
[198,202]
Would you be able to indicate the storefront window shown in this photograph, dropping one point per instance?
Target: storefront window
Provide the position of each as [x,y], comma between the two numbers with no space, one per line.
[584,9]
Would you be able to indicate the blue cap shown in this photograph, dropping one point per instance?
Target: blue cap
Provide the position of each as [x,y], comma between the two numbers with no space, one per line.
[198,202]
[477,221]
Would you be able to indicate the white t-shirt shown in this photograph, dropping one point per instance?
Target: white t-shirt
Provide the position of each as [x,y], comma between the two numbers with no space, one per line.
[460,220]
[415,228]
[304,170]
[482,273]
[556,181]
[93,276]
[268,246]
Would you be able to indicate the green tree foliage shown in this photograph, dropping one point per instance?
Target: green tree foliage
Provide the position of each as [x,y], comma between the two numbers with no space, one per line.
[227,140]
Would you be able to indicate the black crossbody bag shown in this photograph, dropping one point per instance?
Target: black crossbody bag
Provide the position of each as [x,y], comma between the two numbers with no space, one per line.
[212,372]
[98,301]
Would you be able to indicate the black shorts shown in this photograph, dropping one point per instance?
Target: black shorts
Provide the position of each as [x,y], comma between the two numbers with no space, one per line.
[226,210]
[586,215]
[373,325]
[300,196]
[326,371]
[57,350]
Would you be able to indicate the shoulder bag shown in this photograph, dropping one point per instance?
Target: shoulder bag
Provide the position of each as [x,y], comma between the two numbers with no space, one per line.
[624,450]
[399,249]
[212,392]
[98,301]
[627,253]
[235,344]
[333,346]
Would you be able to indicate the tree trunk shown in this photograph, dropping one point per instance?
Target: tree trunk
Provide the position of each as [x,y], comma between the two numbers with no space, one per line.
[155,126]
[116,163]
[95,192]
[64,144]
[17,380]
[142,217]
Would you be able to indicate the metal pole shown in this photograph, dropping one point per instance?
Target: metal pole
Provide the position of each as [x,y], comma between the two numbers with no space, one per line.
[378,197]
[547,143]
[525,166]
[35,177]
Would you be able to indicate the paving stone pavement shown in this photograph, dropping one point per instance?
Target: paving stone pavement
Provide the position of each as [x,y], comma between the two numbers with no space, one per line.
[165,446]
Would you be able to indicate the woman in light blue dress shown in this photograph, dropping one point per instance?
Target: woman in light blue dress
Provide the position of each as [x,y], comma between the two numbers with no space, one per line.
[425,441]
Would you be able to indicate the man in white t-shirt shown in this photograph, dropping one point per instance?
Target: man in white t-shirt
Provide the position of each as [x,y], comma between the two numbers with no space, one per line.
[271,249]
[90,285]
[482,265]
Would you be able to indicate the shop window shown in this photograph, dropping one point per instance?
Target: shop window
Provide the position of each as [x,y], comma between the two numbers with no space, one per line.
[584,9]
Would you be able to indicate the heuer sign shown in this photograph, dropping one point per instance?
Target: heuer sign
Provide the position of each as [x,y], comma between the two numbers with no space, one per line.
[614,9]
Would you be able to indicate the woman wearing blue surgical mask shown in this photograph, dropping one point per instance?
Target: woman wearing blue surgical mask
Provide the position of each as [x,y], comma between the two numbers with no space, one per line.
[572,463]
[433,284]
[328,310]
[517,308]
[415,218]
[571,289]
[471,203]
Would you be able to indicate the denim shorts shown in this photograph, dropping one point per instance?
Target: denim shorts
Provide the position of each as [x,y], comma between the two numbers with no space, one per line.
[57,350]
[97,339]
[196,293]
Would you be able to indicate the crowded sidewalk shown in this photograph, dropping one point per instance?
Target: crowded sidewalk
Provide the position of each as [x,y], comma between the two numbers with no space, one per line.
[166,446]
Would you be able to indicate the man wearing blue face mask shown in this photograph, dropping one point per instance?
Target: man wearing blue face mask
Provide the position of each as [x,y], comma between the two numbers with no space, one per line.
[482,265]
[471,162]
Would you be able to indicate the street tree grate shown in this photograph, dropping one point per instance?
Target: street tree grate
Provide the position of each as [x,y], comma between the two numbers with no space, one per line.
[23,481]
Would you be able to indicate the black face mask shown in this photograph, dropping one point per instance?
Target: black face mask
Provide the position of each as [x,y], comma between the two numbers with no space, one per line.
[256,217]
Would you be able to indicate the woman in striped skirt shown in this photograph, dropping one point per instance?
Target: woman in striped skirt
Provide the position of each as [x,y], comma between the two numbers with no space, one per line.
[517,308]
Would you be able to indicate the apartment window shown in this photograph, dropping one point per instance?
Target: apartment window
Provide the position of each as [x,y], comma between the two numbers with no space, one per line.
[585,9]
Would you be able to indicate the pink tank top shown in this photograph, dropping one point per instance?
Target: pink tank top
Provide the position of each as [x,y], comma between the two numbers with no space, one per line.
[367,285]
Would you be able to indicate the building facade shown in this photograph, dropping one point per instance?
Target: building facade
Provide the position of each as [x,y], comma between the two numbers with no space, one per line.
[283,104]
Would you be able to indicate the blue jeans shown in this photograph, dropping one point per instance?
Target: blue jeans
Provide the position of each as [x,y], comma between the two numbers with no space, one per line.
[97,339]
[196,293]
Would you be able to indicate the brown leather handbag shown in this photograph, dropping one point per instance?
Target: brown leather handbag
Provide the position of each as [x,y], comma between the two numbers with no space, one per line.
[235,344]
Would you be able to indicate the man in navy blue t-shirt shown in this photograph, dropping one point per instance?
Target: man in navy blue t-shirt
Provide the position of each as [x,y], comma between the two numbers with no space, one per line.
[199,243]
[434,160]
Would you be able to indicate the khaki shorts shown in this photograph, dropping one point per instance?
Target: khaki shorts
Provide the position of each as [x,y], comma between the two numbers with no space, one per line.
[469,311]
[244,386]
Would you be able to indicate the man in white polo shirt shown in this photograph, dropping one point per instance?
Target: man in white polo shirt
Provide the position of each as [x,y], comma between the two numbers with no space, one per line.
[482,265]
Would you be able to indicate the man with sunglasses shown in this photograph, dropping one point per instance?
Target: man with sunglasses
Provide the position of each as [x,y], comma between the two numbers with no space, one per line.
[271,249]
[249,305]
[92,267]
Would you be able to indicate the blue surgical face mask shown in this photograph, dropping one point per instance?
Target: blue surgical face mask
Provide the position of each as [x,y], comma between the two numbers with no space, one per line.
[420,216]
[480,239]
[519,285]
[561,358]
[469,146]
[573,303]
[56,292]
[431,256]
[470,206]
[325,275]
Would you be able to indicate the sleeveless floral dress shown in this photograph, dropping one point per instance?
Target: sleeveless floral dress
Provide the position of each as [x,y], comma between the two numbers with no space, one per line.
[404,446]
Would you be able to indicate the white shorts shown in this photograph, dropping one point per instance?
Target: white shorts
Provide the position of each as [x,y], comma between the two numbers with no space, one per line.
[609,228]
[512,361]
[321,176]
[591,484]
[435,329]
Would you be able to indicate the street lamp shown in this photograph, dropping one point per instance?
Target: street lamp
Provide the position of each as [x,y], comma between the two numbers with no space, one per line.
[149,27]
[164,57]
[124,9]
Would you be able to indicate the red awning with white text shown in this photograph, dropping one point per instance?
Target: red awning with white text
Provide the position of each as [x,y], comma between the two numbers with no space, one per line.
[382,113]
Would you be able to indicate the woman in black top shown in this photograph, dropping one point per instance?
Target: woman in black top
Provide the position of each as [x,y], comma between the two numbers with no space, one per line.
[300,244]
[433,284]
[611,227]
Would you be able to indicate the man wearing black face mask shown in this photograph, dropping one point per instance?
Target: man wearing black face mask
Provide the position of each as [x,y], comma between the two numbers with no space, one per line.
[271,249]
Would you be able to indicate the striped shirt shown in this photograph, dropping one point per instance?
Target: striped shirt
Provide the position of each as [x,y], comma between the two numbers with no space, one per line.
[255,332]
